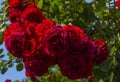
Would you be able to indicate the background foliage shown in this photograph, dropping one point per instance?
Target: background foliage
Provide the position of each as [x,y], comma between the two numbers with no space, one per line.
[99,19]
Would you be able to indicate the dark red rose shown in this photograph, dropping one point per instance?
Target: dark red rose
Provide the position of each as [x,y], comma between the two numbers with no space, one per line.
[101,51]
[35,66]
[49,60]
[55,42]
[86,46]
[15,44]
[78,41]
[30,47]
[32,14]
[73,36]
[12,28]
[14,15]
[15,3]
[8,80]
[75,66]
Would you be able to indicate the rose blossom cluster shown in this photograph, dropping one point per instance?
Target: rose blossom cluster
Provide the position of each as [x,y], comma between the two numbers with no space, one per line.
[41,43]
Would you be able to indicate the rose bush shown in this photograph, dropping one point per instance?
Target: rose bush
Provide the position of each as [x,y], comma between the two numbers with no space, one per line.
[42,43]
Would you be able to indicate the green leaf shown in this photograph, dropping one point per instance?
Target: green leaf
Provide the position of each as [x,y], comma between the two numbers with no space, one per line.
[1,56]
[1,25]
[11,56]
[118,35]
[4,64]
[111,77]
[18,60]
[1,50]
[3,71]
[19,67]
[40,3]
[9,61]
[10,65]
[17,81]
[28,80]
[113,50]
[2,28]
[1,38]
[101,80]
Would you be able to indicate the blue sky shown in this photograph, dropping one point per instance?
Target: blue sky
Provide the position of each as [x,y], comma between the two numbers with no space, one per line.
[12,73]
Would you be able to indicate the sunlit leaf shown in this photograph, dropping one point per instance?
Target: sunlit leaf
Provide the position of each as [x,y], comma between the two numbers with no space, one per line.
[11,56]
[40,3]
[113,50]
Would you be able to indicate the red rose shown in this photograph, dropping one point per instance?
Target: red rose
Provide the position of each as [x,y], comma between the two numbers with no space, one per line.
[8,80]
[31,29]
[15,3]
[42,29]
[75,66]
[14,15]
[73,36]
[55,41]
[35,66]
[86,46]
[117,3]
[11,29]
[15,43]
[30,47]
[101,51]
[32,14]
